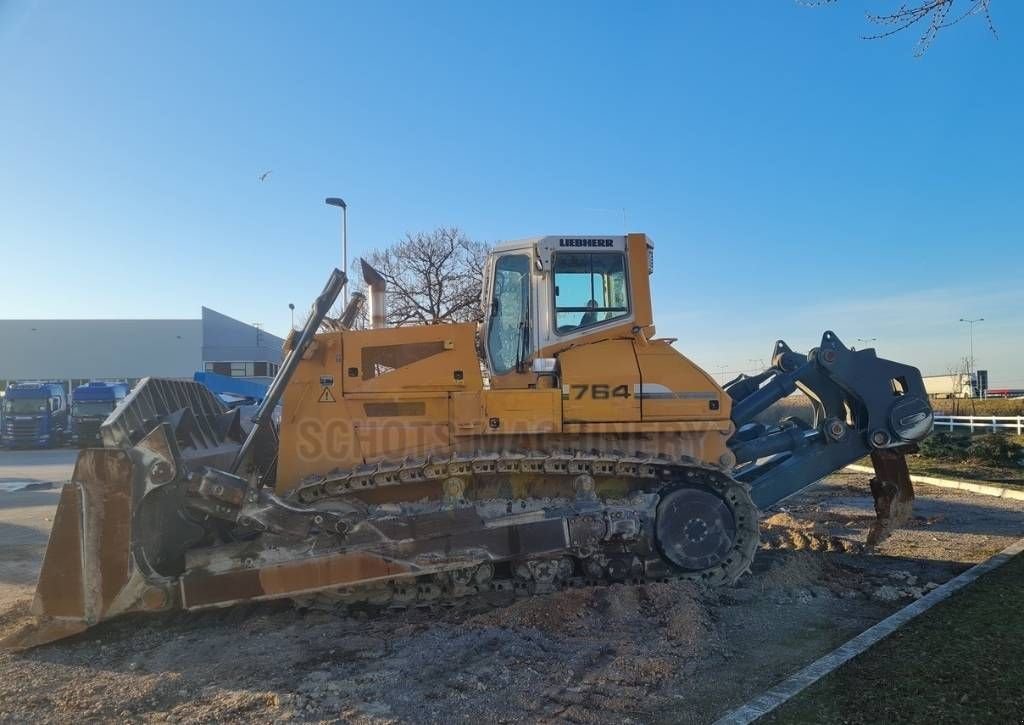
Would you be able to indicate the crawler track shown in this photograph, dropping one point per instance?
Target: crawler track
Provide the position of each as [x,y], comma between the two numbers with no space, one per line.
[629,519]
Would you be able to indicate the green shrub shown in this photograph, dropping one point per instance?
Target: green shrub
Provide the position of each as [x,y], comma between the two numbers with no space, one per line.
[995,449]
[968,406]
[949,445]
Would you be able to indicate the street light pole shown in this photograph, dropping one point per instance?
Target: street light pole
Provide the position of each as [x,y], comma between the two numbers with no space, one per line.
[339,202]
[970,324]
[291,306]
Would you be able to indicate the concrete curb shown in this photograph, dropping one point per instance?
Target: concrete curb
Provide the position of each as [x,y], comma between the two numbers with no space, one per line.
[997,491]
[768,701]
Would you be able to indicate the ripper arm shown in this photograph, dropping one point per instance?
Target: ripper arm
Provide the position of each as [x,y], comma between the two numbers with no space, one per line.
[862,404]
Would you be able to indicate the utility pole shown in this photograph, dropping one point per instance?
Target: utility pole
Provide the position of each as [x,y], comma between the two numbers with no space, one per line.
[970,324]
[291,306]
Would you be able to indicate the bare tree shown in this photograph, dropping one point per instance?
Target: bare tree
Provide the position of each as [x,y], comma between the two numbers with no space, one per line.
[432,277]
[960,374]
[931,16]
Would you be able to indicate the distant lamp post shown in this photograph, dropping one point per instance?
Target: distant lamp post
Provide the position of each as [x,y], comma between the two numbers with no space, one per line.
[291,306]
[340,203]
[970,324]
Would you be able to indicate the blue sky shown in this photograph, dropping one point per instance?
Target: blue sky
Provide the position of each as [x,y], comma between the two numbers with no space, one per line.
[793,177]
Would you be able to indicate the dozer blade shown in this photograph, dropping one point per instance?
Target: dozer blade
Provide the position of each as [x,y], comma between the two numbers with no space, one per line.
[893,492]
[87,573]
[118,535]
[123,526]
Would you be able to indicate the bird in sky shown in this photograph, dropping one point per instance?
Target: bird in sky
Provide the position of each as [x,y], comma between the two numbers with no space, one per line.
[265,174]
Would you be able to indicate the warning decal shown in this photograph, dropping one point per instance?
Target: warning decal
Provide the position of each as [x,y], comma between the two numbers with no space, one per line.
[325,396]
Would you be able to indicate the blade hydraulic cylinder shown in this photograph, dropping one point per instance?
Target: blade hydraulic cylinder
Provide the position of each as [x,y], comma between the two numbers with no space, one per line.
[774,390]
[263,415]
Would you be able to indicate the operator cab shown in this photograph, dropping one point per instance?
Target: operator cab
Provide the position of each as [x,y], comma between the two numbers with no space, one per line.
[545,294]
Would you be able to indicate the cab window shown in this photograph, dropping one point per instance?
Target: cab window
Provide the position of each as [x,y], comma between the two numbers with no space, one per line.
[589,289]
[508,335]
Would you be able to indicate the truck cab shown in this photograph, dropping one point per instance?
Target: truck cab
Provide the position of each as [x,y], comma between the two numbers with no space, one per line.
[35,415]
[90,405]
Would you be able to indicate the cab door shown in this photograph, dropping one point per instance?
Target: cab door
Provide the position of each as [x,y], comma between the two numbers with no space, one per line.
[509,319]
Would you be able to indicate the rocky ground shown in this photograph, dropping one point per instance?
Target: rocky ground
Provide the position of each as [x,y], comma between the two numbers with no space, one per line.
[654,653]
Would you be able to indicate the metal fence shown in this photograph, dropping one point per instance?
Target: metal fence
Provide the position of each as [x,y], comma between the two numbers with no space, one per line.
[992,423]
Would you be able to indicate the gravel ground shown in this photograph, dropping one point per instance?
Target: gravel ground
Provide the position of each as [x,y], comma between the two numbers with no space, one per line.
[654,653]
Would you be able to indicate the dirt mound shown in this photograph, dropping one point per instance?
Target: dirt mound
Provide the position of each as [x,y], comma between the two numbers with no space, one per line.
[784,531]
[558,612]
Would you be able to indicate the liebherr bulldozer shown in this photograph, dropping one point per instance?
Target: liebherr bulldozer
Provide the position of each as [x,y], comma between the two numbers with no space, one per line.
[559,443]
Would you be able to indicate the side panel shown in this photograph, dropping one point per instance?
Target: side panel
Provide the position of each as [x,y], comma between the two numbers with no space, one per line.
[395,427]
[598,382]
[506,412]
[467,413]
[671,387]
[316,431]
[369,395]
[522,411]
[402,359]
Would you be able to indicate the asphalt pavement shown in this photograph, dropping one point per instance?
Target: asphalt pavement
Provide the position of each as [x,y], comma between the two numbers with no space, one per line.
[21,468]
[30,483]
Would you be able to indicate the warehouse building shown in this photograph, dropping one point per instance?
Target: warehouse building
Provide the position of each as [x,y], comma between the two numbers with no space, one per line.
[76,351]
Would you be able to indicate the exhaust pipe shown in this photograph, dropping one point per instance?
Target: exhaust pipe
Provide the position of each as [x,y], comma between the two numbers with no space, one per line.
[378,288]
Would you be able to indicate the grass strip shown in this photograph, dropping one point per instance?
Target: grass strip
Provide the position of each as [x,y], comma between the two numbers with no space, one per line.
[959,662]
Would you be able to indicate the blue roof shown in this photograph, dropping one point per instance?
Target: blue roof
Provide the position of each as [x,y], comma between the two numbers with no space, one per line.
[100,391]
[234,386]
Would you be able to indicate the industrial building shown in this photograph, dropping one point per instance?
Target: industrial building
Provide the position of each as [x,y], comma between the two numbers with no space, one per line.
[76,351]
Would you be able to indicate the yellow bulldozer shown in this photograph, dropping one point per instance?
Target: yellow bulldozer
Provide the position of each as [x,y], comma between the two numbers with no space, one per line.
[559,443]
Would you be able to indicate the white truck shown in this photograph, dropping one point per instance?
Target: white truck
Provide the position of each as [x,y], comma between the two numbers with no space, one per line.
[956,385]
